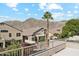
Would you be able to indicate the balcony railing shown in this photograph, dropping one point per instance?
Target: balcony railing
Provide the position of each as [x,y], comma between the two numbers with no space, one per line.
[29,51]
[50,51]
[23,51]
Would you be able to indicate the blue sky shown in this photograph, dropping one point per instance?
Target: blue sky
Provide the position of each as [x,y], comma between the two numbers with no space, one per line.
[23,11]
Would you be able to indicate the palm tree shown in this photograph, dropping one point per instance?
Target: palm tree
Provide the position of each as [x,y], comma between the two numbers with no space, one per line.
[47,16]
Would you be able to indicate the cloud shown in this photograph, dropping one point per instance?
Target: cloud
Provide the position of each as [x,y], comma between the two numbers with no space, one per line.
[4,18]
[7,18]
[54,6]
[69,12]
[62,16]
[26,9]
[39,9]
[58,14]
[50,6]
[13,6]
[75,11]
[44,10]
[15,9]
[76,7]
[29,14]
[42,5]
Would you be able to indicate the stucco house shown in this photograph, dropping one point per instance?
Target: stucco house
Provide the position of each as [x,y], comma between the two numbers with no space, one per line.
[33,34]
[7,33]
[37,35]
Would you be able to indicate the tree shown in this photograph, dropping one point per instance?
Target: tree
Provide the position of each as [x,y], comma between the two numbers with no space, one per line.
[71,28]
[47,16]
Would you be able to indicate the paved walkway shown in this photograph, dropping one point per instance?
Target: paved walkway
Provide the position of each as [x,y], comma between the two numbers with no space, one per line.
[72,49]
[68,52]
[72,45]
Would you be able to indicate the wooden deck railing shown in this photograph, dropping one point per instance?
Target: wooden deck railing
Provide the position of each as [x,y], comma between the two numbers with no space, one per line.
[23,51]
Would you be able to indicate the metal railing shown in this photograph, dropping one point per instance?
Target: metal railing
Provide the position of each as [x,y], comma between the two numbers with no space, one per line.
[29,51]
[23,51]
[50,51]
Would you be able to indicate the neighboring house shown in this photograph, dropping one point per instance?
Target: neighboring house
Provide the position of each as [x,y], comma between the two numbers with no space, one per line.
[8,33]
[33,33]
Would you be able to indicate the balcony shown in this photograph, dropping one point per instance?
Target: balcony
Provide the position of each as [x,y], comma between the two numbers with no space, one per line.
[32,51]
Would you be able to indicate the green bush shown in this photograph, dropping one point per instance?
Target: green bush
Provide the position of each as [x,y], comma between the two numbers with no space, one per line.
[14,44]
[71,28]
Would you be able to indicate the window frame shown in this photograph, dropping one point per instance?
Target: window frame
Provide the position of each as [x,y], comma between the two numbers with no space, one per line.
[18,34]
[10,34]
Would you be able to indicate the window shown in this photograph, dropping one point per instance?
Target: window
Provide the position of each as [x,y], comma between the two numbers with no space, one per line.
[3,30]
[41,38]
[10,35]
[18,34]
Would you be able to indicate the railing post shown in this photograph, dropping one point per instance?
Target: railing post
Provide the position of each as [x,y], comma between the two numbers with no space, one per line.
[22,51]
[3,43]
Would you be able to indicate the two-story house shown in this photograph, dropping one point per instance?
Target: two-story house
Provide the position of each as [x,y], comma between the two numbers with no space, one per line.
[8,33]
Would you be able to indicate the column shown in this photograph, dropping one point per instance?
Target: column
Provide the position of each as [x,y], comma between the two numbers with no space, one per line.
[30,38]
[51,43]
[3,43]
[38,45]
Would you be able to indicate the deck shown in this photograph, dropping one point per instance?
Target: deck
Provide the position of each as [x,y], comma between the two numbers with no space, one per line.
[30,50]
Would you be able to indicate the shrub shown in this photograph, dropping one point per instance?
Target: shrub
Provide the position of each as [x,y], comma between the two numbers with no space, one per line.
[71,28]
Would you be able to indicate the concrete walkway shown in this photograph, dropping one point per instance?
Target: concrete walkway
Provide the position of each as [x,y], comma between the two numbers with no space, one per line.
[72,45]
[68,52]
[72,49]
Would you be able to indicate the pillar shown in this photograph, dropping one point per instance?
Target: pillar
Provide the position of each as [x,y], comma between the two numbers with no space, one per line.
[3,43]
[30,38]
[51,43]
[38,45]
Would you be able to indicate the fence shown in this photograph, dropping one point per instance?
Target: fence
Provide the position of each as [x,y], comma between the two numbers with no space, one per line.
[23,51]
[50,51]
[28,51]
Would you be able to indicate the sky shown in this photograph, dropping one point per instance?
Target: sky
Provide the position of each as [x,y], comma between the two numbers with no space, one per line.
[23,11]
